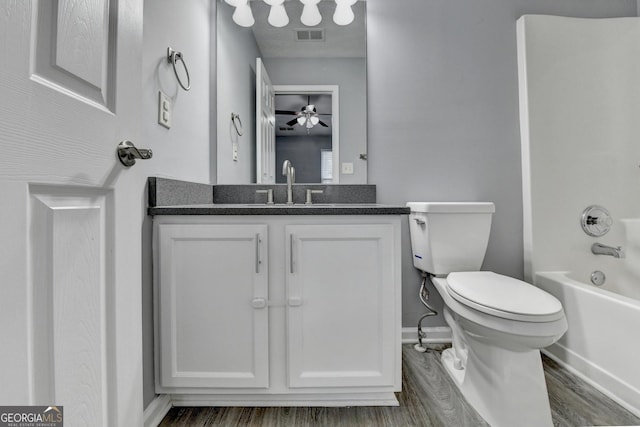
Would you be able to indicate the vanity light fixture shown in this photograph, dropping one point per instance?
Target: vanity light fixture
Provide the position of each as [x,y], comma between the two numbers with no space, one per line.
[242,15]
[310,13]
[344,14]
[278,17]
[277,14]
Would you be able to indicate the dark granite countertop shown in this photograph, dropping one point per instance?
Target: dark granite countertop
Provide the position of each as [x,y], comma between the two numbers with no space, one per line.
[281,209]
[173,197]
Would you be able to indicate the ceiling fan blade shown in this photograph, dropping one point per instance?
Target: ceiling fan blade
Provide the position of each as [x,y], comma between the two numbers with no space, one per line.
[323,124]
[292,113]
[292,122]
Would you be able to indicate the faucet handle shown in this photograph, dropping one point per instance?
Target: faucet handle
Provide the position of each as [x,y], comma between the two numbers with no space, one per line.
[309,193]
[269,193]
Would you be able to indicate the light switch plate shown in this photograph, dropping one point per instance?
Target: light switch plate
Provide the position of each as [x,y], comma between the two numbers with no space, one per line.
[347,168]
[164,110]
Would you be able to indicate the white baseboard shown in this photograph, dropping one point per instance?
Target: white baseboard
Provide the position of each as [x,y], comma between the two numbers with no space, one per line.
[435,335]
[301,400]
[157,409]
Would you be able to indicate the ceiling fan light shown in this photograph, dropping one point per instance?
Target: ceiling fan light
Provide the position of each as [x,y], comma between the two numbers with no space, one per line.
[310,13]
[309,124]
[301,120]
[243,15]
[278,16]
[314,120]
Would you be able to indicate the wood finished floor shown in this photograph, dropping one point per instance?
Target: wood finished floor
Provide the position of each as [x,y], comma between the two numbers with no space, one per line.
[428,398]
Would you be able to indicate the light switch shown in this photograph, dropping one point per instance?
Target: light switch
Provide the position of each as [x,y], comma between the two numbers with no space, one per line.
[347,168]
[164,110]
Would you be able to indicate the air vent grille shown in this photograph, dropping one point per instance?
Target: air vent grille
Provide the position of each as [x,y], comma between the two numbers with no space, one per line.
[315,35]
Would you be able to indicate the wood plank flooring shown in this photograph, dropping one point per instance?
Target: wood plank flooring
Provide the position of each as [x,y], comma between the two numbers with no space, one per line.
[428,398]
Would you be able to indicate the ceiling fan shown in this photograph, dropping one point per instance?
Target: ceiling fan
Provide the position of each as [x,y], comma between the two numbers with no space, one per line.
[306,117]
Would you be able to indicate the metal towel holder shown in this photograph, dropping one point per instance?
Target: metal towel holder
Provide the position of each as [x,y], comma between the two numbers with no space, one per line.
[173,56]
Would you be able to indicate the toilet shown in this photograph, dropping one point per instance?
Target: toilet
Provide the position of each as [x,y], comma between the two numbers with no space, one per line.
[498,323]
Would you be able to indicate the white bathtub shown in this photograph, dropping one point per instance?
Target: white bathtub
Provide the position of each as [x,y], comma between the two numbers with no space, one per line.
[602,344]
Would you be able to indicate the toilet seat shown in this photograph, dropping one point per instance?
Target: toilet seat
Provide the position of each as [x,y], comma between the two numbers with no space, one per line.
[503,296]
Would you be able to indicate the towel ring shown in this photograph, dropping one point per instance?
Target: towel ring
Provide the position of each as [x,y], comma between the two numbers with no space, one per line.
[235,119]
[174,56]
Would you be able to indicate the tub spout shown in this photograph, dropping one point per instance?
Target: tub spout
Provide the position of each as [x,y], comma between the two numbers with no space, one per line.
[600,249]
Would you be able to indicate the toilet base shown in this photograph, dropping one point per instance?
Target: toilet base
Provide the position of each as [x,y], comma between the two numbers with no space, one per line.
[507,388]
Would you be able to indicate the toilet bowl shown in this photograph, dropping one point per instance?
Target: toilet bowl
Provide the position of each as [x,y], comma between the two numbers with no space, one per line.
[499,324]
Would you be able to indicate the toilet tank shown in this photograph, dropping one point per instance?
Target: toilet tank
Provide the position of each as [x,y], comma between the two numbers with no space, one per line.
[449,236]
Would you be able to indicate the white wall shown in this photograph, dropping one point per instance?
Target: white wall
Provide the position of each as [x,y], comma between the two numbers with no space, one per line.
[443,112]
[236,75]
[181,152]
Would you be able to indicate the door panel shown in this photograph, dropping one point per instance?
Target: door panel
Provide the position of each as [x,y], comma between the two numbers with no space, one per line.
[71,297]
[76,58]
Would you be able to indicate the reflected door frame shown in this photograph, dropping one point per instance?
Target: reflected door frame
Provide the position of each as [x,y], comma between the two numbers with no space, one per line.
[334,91]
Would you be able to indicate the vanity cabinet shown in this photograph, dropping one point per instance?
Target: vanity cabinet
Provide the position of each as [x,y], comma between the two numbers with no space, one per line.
[278,310]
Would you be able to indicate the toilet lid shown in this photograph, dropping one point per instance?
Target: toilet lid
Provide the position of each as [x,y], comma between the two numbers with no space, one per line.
[503,296]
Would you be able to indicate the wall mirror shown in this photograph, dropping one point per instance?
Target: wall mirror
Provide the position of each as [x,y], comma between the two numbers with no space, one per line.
[316,77]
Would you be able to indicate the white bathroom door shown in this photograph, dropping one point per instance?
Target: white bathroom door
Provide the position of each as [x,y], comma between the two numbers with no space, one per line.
[71,214]
[265,126]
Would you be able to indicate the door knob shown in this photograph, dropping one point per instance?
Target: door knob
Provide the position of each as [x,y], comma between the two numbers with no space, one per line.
[128,153]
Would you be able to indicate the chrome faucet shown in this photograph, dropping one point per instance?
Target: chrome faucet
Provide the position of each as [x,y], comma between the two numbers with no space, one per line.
[600,249]
[290,172]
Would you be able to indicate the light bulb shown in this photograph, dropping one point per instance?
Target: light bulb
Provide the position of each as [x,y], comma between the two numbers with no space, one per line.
[242,15]
[301,120]
[278,16]
[309,124]
[314,120]
[344,14]
[310,13]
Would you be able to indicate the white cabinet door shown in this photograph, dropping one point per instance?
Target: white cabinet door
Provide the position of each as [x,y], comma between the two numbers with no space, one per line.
[212,292]
[341,297]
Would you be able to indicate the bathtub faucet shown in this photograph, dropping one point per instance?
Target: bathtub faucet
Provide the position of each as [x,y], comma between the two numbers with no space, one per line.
[600,249]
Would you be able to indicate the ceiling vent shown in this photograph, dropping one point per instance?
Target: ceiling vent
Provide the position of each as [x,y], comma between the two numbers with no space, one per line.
[305,35]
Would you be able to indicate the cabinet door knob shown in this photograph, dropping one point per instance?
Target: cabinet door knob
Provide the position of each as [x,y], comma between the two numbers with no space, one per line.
[295,302]
[258,303]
